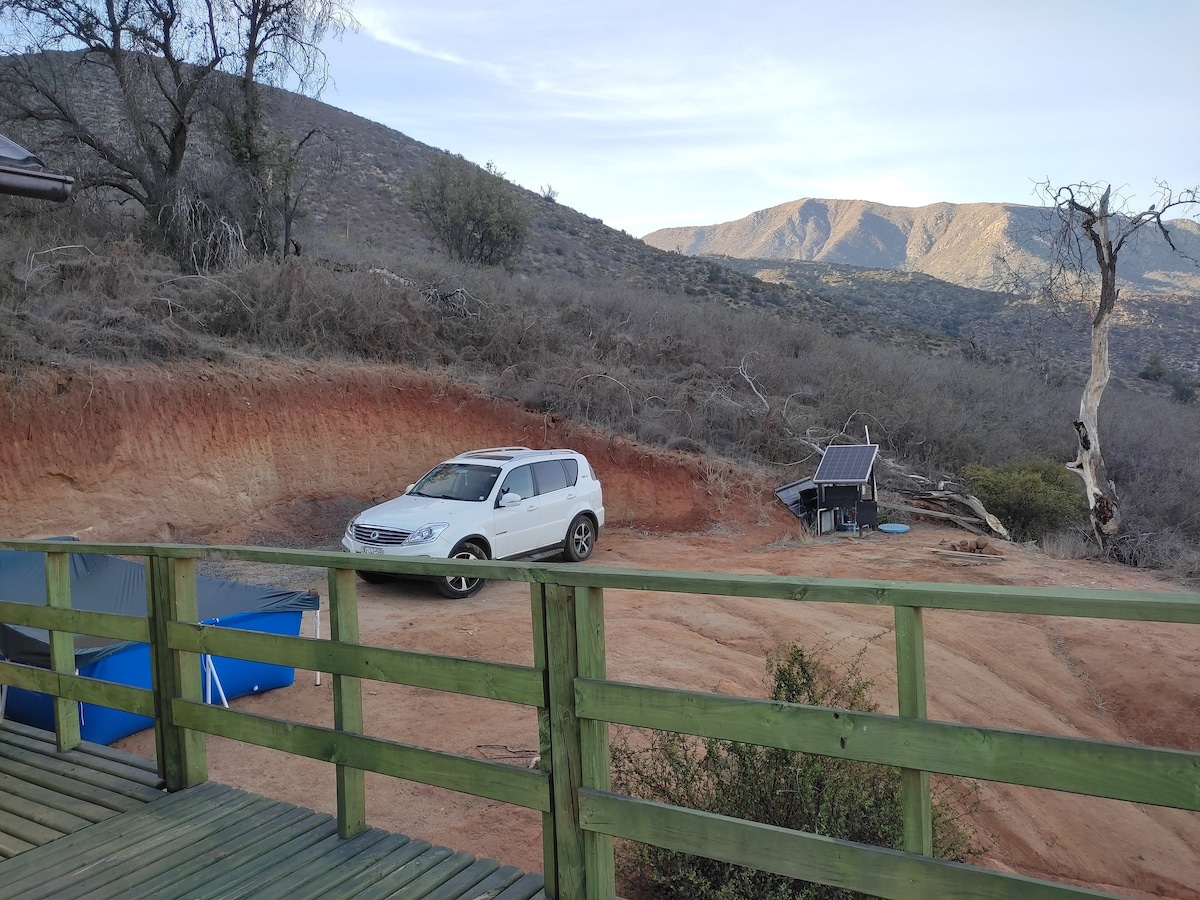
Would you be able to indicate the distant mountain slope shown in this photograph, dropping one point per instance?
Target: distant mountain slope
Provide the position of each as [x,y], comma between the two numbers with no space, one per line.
[959,243]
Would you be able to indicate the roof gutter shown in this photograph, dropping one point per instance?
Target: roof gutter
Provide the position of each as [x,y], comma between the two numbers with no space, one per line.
[38,185]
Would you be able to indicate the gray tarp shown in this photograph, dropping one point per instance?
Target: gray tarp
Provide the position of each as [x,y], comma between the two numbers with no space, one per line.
[114,585]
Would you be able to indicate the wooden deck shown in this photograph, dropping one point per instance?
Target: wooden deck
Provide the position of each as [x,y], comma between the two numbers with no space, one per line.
[94,823]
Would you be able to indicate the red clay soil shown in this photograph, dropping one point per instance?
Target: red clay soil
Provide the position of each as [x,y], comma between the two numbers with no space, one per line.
[275,453]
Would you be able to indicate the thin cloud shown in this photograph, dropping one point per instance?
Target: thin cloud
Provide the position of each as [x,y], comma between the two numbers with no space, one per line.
[638,113]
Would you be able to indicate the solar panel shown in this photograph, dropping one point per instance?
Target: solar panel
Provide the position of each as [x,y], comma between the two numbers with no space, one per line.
[846,464]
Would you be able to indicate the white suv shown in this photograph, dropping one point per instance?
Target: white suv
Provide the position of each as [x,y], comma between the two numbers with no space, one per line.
[502,503]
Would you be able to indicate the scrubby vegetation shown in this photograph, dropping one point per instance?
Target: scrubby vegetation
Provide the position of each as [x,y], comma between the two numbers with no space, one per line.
[1032,498]
[838,798]
[758,378]
[1183,389]
[472,212]
[587,322]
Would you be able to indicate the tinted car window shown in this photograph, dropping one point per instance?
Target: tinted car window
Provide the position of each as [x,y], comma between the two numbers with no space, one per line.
[550,475]
[519,481]
[572,467]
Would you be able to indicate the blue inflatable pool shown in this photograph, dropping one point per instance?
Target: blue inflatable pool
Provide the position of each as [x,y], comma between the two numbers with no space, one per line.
[111,584]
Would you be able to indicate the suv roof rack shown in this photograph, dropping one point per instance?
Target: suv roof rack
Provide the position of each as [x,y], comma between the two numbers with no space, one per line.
[496,453]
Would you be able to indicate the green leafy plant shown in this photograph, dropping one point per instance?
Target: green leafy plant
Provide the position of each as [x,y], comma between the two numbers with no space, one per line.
[838,798]
[1032,498]
[472,212]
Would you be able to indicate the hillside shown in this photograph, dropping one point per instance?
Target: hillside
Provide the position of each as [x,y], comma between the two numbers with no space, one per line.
[762,366]
[959,243]
[353,215]
[986,325]
[269,403]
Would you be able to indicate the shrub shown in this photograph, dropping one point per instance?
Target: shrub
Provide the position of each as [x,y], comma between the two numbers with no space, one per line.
[839,798]
[472,212]
[1032,498]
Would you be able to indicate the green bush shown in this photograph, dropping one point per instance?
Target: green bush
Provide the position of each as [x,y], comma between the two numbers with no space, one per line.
[838,798]
[474,214]
[1032,498]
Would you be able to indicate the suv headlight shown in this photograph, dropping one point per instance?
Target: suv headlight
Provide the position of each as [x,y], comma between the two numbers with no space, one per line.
[427,533]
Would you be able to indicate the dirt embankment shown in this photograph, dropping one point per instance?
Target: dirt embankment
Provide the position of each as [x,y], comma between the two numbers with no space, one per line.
[268,452]
[164,453]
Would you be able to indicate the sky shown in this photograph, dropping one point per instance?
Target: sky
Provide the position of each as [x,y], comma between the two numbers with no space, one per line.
[649,114]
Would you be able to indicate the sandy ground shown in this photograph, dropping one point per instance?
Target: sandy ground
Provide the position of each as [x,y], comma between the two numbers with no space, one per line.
[1085,678]
[272,454]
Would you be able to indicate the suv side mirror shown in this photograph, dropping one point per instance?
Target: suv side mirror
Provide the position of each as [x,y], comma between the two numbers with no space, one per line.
[510,499]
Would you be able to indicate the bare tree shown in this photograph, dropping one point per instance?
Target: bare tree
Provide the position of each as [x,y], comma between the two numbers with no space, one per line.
[279,43]
[291,168]
[129,81]
[1088,229]
[158,61]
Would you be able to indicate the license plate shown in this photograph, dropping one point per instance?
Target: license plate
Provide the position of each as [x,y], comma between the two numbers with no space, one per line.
[372,550]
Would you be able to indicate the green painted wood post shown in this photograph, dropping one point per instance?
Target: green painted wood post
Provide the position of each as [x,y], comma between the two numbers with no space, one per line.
[171,596]
[537,603]
[347,703]
[596,770]
[62,649]
[910,682]
[562,656]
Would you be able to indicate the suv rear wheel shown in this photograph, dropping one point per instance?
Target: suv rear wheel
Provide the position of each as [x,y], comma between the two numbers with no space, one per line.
[458,586]
[581,538]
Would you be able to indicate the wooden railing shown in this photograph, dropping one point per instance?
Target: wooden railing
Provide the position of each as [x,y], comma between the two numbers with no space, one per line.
[576,703]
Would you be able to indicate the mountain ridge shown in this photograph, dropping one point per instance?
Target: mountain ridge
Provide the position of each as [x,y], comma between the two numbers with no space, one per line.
[960,243]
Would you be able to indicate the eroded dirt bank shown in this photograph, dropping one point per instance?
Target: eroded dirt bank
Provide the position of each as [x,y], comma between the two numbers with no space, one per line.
[271,452]
[164,453]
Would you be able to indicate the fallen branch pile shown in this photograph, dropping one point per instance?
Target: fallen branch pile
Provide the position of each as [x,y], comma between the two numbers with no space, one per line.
[962,509]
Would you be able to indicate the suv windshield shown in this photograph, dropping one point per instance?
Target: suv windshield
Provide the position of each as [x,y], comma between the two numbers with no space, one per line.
[457,481]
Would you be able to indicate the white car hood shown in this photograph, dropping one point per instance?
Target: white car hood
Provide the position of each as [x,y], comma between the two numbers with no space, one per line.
[409,512]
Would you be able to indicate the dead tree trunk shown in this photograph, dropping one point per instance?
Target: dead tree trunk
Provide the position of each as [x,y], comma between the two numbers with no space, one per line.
[1084,222]
[1089,461]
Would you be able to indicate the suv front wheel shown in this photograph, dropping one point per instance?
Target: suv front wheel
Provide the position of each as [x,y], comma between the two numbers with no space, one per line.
[458,586]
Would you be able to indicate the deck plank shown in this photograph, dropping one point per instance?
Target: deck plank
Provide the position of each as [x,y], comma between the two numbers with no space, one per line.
[372,873]
[92,756]
[12,846]
[483,879]
[52,799]
[395,848]
[183,853]
[32,773]
[14,804]
[196,873]
[405,874]
[243,878]
[530,886]
[60,864]
[90,824]
[76,770]
[341,855]
[434,876]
